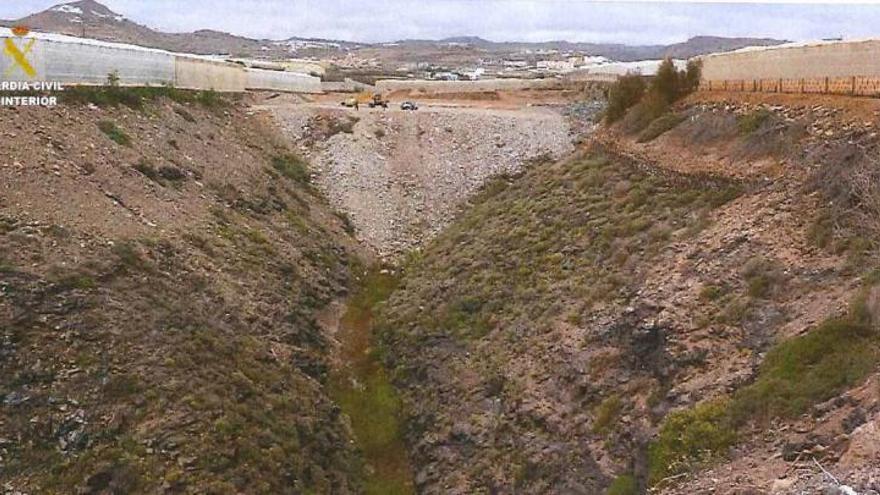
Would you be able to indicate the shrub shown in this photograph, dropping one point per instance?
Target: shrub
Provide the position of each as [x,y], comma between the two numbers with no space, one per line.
[659,126]
[606,414]
[763,277]
[647,104]
[667,82]
[689,439]
[712,292]
[184,114]
[795,374]
[651,107]
[210,99]
[692,74]
[169,172]
[624,93]
[113,132]
[147,169]
[161,174]
[113,95]
[464,316]
[752,121]
[808,369]
[625,484]
[292,166]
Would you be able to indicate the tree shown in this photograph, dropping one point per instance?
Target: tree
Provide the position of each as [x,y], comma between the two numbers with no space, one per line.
[692,75]
[666,82]
[624,93]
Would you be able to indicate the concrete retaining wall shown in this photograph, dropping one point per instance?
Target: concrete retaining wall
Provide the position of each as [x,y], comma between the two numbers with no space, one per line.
[467,86]
[194,73]
[347,86]
[71,60]
[282,81]
[848,68]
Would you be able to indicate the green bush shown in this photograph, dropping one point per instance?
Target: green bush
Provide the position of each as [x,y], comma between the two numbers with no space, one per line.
[712,292]
[796,374]
[660,125]
[624,93]
[689,439]
[763,277]
[625,484]
[752,121]
[113,132]
[606,414]
[643,105]
[292,166]
[667,82]
[650,108]
[691,76]
[808,369]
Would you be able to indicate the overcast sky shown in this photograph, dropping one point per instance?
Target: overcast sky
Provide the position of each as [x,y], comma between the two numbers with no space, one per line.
[497,20]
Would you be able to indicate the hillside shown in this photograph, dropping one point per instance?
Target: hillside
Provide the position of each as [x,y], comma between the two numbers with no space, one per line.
[91,19]
[162,266]
[696,313]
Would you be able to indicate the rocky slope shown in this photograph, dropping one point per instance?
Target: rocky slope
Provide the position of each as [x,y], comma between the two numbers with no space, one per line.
[694,314]
[401,176]
[161,266]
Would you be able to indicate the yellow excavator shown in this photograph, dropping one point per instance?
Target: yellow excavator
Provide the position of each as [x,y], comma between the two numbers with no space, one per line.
[378,101]
[372,100]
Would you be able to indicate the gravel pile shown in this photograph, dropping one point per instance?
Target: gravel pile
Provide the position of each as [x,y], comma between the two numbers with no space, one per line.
[401,176]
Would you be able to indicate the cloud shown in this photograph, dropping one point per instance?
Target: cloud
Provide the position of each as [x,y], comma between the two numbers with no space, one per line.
[498,20]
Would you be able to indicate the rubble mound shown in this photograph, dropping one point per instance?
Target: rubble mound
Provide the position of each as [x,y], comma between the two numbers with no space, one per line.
[402,176]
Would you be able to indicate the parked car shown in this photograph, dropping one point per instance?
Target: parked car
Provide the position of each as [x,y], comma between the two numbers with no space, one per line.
[409,105]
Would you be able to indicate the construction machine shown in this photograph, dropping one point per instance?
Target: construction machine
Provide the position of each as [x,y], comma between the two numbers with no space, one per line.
[378,101]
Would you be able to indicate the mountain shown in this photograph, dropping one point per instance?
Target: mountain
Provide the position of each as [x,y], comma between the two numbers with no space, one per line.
[88,18]
[700,45]
[91,19]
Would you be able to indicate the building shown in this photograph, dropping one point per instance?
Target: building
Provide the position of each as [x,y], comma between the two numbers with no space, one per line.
[556,65]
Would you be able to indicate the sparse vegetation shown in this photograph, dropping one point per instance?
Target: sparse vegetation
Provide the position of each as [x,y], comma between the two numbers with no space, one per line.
[606,414]
[809,369]
[160,175]
[532,251]
[796,374]
[712,292]
[763,277]
[135,97]
[604,210]
[184,113]
[365,394]
[659,126]
[752,121]
[112,131]
[180,359]
[292,166]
